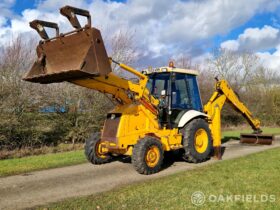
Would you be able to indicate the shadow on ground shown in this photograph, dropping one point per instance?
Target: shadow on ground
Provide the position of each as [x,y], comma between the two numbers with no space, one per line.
[171,157]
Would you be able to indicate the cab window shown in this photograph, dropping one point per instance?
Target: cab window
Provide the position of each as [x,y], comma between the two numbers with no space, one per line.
[157,83]
[184,89]
[185,93]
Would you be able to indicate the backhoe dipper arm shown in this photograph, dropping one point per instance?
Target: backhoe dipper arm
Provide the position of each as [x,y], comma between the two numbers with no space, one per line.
[224,93]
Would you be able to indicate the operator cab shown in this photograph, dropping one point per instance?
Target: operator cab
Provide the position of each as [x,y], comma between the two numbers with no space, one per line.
[177,91]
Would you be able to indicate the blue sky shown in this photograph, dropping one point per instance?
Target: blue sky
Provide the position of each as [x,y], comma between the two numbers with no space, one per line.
[163,30]
[21,5]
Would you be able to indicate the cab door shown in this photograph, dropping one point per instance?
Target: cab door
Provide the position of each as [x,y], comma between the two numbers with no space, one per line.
[185,93]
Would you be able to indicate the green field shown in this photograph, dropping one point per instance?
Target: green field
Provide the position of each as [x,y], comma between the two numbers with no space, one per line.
[250,182]
[32,163]
[39,162]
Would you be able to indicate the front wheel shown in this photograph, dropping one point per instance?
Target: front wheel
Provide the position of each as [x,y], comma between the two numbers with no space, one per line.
[147,156]
[93,150]
[197,141]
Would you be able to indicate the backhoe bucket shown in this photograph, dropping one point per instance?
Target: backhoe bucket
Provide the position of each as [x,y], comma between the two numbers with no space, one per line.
[265,139]
[71,56]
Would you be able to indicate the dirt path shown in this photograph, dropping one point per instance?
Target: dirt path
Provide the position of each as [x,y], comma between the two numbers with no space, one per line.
[41,187]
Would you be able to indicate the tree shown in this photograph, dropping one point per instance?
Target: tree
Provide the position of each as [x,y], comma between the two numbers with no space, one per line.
[33,115]
[236,67]
[123,49]
[183,61]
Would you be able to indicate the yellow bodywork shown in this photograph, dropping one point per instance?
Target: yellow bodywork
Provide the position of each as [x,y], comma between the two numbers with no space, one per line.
[224,93]
[138,111]
[135,123]
[139,115]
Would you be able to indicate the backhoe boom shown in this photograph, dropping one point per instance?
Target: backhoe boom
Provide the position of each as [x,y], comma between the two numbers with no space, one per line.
[224,93]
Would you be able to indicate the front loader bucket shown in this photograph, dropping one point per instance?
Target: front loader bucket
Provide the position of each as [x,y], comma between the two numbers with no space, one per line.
[265,139]
[71,56]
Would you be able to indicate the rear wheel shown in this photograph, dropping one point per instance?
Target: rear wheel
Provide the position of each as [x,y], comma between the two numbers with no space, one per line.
[147,156]
[197,141]
[93,150]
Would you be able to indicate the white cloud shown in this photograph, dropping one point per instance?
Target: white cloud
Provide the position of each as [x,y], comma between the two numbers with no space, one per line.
[162,28]
[53,5]
[260,41]
[254,39]
[203,19]
[3,21]
[231,45]
[270,60]
[5,8]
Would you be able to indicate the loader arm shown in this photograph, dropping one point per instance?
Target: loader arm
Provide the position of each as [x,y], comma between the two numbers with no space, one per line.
[224,93]
[80,57]
[124,91]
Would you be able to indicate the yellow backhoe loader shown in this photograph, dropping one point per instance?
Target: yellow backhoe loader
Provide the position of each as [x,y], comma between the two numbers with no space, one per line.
[161,112]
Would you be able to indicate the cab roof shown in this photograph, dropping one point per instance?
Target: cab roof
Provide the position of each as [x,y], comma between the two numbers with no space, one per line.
[169,69]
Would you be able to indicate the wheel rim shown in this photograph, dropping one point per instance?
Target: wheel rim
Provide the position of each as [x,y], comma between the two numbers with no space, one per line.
[98,150]
[152,156]
[201,140]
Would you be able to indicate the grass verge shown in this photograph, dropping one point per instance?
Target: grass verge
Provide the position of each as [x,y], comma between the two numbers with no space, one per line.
[249,178]
[25,152]
[32,163]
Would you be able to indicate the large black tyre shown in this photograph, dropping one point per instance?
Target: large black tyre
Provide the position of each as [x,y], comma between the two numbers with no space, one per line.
[91,150]
[197,141]
[147,156]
